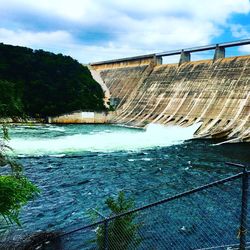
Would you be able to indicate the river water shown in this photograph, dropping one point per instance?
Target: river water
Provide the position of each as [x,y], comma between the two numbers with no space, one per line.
[77,167]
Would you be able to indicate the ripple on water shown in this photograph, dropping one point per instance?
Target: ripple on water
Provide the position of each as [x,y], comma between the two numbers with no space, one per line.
[73,183]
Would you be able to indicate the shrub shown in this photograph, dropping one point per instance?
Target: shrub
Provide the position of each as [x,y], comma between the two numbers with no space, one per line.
[15,189]
[122,231]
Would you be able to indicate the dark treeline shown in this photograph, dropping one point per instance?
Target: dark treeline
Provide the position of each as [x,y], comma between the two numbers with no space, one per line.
[38,84]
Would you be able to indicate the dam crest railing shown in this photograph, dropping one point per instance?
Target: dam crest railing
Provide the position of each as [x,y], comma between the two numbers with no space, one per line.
[185,54]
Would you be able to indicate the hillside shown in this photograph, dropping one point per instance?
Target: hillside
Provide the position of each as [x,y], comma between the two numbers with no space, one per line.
[38,84]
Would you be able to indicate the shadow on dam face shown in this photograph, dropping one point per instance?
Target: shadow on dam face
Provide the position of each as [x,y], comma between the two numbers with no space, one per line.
[216,93]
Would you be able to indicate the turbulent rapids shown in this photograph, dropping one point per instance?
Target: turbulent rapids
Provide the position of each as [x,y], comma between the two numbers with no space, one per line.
[95,139]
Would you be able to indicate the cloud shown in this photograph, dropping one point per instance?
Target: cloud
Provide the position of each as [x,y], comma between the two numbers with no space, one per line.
[240,32]
[64,42]
[35,39]
[168,33]
[245,49]
[98,30]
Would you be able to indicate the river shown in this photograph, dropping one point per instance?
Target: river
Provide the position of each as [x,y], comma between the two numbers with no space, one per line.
[77,167]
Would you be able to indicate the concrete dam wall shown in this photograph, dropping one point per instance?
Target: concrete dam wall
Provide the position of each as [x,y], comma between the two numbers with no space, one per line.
[214,93]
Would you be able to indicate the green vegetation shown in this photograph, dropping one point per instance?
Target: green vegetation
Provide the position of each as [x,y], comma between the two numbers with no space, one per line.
[39,84]
[10,103]
[122,231]
[15,189]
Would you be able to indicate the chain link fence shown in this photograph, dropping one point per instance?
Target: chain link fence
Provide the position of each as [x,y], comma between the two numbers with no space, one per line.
[213,216]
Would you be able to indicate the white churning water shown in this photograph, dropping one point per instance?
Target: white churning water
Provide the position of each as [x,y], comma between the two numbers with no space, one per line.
[106,140]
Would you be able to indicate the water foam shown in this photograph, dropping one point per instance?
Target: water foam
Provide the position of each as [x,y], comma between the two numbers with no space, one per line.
[104,141]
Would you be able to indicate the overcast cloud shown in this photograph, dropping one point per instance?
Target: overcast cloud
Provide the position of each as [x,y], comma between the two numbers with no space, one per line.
[92,30]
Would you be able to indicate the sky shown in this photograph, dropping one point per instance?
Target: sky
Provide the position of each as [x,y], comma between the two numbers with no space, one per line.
[96,30]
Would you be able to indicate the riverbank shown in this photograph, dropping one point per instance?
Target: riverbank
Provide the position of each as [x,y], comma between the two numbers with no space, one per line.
[82,118]
[77,117]
[20,120]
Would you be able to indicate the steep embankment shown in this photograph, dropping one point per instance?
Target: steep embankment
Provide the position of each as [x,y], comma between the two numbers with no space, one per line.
[215,93]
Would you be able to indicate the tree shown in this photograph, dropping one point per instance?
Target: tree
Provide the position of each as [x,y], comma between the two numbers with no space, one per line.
[10,103]
[122,231]
[46,84]
[15,189]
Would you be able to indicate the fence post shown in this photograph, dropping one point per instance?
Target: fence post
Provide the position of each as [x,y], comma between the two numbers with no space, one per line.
[243,218]
[105,235]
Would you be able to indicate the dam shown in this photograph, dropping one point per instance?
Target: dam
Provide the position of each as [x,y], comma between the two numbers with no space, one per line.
[214,92]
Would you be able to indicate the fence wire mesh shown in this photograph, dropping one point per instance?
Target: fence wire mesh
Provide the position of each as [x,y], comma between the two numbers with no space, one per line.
[205,219]
[208,218]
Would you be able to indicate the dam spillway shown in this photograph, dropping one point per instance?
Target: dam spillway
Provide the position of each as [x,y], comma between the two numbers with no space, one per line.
[214,92]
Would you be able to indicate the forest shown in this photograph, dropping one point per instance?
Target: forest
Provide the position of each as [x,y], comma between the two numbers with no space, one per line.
[38,84]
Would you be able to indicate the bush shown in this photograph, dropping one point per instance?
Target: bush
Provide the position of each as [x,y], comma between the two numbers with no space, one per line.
[122,231]
[15,189]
